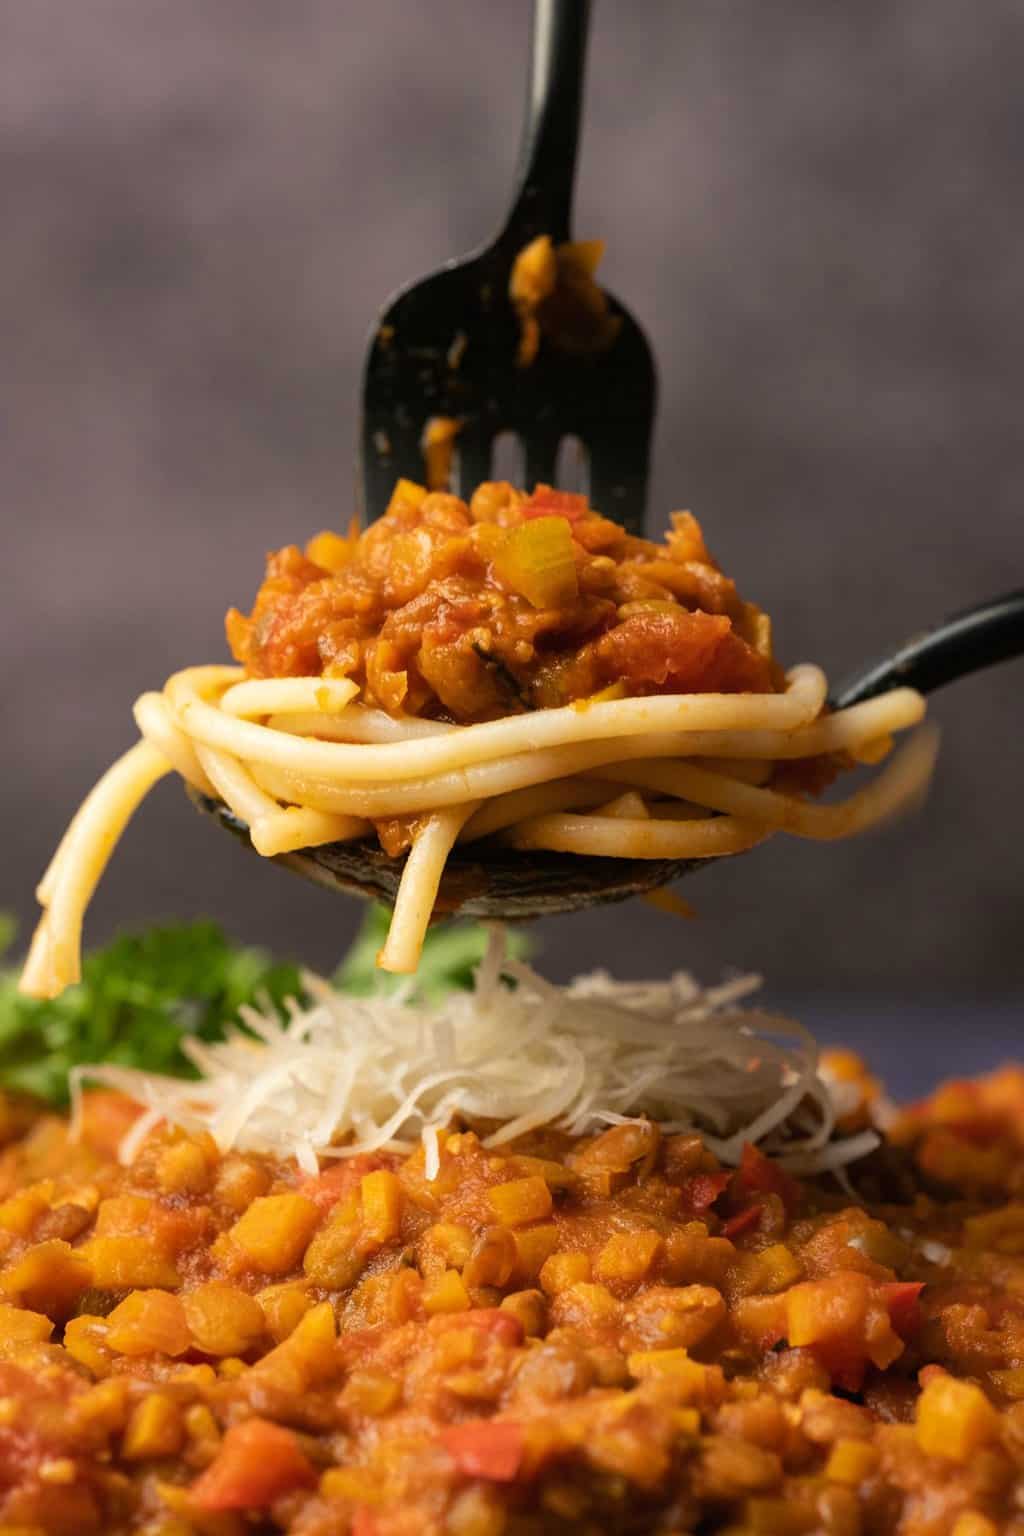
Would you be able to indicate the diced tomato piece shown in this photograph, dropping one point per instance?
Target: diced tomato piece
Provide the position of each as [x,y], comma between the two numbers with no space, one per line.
[757,1174]
[743,1221]
[364,1522]
[256,1463]
[847,1368]
[333,1184]
[681,652]
[485,1448]
[505,1327]
[547,502]
[702,1190]
[902,1300]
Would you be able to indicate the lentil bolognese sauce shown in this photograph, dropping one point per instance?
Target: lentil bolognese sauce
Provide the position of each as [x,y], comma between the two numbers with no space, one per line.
[600,1334]
[518,669]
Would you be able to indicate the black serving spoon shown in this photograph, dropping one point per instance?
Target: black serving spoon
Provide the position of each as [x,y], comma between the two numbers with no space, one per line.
[489,880]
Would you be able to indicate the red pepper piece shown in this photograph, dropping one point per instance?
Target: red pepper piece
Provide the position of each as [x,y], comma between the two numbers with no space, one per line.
[702,1190]
[902,1301]
[547,502]
[743,1221]
[757,1174]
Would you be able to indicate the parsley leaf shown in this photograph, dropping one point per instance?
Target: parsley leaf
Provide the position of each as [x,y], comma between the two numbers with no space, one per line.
[143,993]
[138,997]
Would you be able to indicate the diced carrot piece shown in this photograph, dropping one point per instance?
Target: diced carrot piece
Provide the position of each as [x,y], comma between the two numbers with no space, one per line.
[329,551]
[761,1319]
[19,1214]
[238,1181]
[773,1269]
[49,1277]
[534,1246]
[20,1326]
[257,1462]
[520,1201]
[491,1449]
[122,1215]
[223,1319]
[155,1428]
[381,1199]
[851,1461]
[126,1263]
[973,1523]
[306,1356]
[562,1270]
[371,1392]
[406,494]
[627,1257]
[183,1169]
[445,1293]
[954,1419]
[674,1363]
[832,1308]
[274,1231]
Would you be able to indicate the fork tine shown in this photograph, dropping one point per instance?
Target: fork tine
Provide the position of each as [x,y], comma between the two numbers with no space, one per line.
[474,462]
[618,473]
[390,453]
[541,449]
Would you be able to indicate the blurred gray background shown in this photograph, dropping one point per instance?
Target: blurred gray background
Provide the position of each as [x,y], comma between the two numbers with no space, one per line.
[815,209]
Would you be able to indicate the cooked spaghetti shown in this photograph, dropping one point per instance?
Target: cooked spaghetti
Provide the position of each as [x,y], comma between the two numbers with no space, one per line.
[518,668]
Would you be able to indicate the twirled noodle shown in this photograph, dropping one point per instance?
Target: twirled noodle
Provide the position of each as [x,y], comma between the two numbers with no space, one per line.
[55,962]
[303,764]
[629,838]
[288,696]
[419,886]
[531,732]
[157,724]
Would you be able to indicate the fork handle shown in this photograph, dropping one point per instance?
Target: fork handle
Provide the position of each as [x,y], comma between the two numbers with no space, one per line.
[977,637]
[554,101]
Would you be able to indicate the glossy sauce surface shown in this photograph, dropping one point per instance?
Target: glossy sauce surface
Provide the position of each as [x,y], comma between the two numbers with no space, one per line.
[512,602]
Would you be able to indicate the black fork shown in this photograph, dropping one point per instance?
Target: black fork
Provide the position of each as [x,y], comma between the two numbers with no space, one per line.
[447,345]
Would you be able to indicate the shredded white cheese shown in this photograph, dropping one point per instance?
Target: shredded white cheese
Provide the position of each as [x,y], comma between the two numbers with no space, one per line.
[344,1075]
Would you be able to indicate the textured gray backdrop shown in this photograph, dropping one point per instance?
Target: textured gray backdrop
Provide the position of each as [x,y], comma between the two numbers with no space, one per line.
[816,209]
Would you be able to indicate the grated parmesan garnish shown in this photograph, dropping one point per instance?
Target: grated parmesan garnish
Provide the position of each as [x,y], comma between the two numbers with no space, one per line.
[344,1075]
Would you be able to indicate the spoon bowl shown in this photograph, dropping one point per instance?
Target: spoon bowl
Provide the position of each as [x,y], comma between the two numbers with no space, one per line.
[491,881]
[482,881]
